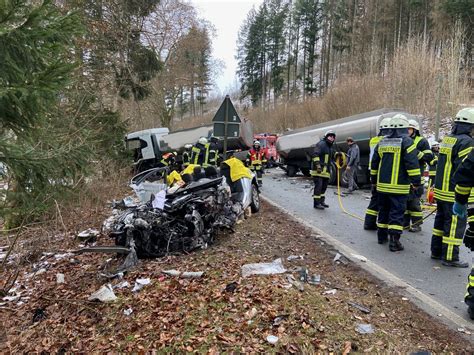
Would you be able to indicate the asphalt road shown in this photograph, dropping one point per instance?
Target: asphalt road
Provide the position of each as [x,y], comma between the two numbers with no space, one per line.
[413,265]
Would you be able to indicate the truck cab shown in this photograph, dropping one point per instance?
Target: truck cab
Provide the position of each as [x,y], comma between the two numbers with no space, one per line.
[145,146]
[268,142]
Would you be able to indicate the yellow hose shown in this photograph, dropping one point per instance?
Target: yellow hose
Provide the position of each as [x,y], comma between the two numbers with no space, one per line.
[340,163]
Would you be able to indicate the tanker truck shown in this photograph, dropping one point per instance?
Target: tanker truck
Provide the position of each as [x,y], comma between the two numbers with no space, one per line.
[295,147]
[149,145]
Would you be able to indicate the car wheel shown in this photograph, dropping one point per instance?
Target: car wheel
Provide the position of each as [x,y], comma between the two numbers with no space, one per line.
[255,204]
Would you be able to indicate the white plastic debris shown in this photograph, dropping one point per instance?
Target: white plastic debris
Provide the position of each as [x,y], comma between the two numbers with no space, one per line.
[62,256]
[251,313]
[359,257]
[88,233]
[275,267]
[337,257]
[128,311]
[123,284]
[104,294]
[10,298]
[295,257]
[365,328]
[140,283]
[330,292]
[185,274]
[60,278]
[272,339]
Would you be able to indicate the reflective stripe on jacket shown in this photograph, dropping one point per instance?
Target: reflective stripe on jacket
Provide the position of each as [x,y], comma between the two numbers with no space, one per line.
[464,180]
[322,157]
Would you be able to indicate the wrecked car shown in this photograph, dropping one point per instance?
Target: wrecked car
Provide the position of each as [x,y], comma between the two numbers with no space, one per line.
[189,214]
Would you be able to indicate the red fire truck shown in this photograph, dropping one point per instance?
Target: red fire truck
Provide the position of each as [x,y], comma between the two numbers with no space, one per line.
[268,142]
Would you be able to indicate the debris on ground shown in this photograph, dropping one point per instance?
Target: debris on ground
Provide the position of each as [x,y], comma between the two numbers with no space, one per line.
[292,281]
[365,328]
[128,311]
[231,287]
[359,257]
[60,278]
[278,320]
[140,283]
[330,292]
[272,339]
[275,267]
[89,235]
[314,279]
[360,307]
[185,274]
[104,294]
[295,257]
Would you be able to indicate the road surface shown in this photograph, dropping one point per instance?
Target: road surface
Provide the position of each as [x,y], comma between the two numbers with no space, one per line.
[445,285]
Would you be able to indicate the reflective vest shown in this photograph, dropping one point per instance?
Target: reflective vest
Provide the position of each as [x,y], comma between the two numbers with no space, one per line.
[200,155]
[453,149]
[256,158]
[395,166]
[322,158]
[464,180]
[186,158]
[432,164]
[372,144]
[425,155]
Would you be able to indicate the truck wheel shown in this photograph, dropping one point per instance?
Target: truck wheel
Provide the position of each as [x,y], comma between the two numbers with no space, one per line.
[255,204]
[291,170]
[306,172]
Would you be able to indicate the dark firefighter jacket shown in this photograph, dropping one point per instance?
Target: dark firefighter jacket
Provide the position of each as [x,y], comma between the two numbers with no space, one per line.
[464,180]
[395,164]
[256,157]
[322,158]
[432,164]
[453,149]
[425,155]
[186,158]
[213,153]
[200,155]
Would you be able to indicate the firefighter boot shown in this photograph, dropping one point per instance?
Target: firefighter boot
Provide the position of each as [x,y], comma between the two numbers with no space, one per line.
[324,204]
[455,263]
[317,205]
[382,237]
[395,244]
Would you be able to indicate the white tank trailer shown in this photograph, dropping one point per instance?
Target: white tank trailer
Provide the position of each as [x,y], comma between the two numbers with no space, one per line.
[295,147]
[149,145]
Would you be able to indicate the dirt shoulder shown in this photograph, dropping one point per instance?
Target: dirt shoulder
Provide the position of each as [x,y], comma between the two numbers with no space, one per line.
[176,314]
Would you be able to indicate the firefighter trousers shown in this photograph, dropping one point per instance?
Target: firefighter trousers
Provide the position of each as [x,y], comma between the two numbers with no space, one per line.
[390,217]
[320,186]
[448,231]
[414,213]
[370,221]
[469,296]
[257,169]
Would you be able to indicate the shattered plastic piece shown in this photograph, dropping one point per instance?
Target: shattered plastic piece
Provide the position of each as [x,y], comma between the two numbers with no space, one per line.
[104,294]
[123,284]
[365,328]
[314,280]
[140,283]
[337,257]
[60,278]
[330,292]
[295,283]
[10,298]
[185,274]
[360,257]
[128,311]
[404,299]
[360,307]
[295,257]
[88,234]
[303,274]
[280,319]
[275,267]
[159,200]
[465,331]
[272,339]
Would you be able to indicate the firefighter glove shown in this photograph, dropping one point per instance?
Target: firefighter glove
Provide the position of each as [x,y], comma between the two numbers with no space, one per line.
[469,239]
[459,210]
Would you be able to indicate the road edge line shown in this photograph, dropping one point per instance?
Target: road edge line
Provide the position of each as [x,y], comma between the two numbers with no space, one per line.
[385,275]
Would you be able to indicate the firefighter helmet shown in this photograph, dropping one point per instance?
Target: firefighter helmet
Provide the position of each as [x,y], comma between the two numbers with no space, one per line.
[202,140]
[434,144]
[413,124]
[329,133]
[399,121]
[188,146]
[385,123]
[256,142]
[466,115]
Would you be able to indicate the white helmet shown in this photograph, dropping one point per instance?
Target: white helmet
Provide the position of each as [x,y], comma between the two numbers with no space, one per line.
[202,140]
[466,115]
[413,124]
[434,144]
[385,123]
[256,142]
[330,133]
[399,121]
[188,146]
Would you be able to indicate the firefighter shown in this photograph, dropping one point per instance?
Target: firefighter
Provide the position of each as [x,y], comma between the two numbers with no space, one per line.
[414,212]
[168,160]
[464,204]
[213,151]
[448,229]
[200,153]
[370,221]
[322,159]
[394,169]
[256,159]
[433,162]
[187,155]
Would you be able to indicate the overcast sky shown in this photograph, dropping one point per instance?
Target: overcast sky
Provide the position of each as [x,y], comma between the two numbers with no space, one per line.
[226,16]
